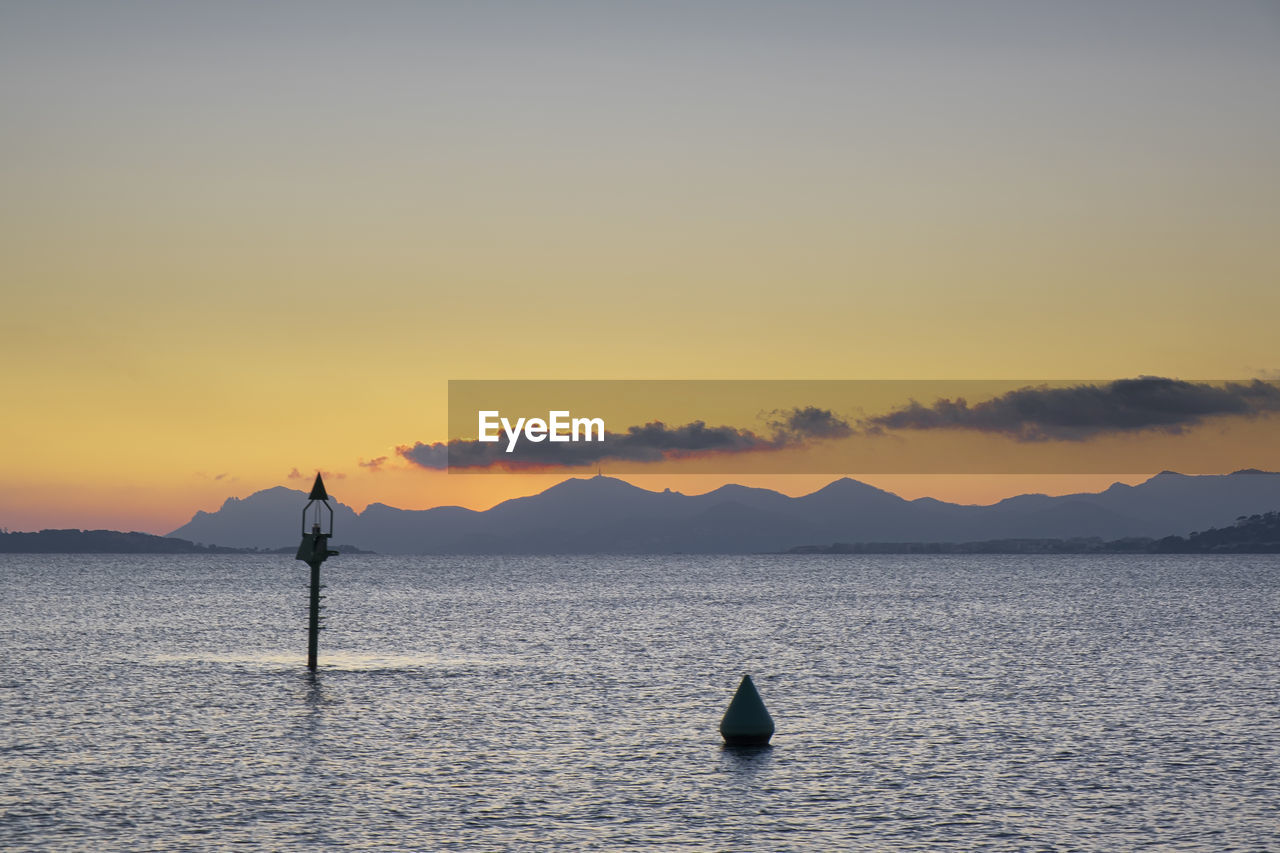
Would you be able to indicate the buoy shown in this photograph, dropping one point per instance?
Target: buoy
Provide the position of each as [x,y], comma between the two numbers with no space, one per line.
[747,721]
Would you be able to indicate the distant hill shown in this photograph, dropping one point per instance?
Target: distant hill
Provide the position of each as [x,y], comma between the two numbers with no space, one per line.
[268,519]
[116,542]
[1256,534]
[605,515]
[101,542]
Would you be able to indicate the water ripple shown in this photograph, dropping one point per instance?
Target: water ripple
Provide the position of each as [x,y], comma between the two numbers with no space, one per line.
[976,703]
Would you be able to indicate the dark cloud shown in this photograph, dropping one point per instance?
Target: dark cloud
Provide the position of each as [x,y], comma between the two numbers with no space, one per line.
[652,442]
[373,464]
[1034,413]
[295,474]
[1082,412]
[809,422]
[434,456]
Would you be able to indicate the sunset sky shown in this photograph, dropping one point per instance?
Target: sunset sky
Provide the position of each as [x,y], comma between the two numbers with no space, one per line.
[243,240]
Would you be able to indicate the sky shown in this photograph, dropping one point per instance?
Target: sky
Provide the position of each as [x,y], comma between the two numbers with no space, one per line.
[243,241]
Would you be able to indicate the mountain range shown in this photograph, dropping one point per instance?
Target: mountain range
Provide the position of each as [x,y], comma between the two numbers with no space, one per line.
[606,515]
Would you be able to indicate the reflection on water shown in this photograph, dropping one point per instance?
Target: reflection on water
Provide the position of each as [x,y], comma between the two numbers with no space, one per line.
[745,762]
[922,703]
[337,661]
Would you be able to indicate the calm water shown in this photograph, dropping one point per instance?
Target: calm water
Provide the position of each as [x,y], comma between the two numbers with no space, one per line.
[971,703]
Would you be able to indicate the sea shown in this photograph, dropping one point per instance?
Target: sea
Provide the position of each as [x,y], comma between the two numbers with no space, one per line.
[921,702]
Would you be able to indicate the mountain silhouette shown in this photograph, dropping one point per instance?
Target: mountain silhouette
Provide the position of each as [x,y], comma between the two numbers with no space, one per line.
[605,515]
[271,518]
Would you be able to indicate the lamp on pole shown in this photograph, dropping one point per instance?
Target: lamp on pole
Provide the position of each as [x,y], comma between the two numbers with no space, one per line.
[313,551]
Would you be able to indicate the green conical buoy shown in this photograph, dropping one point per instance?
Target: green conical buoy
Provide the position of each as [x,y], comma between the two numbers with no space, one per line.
[747,721]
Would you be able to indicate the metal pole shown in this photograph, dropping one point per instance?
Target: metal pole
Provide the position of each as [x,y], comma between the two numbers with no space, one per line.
[313,628]
[313,551]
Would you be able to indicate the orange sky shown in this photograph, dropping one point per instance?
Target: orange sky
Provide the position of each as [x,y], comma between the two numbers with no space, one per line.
[238,242]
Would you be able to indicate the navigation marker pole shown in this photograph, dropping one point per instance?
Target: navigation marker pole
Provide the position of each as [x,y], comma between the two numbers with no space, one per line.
[313,551]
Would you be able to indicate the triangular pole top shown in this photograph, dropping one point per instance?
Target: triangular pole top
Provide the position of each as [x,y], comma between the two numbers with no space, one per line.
[317,491]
